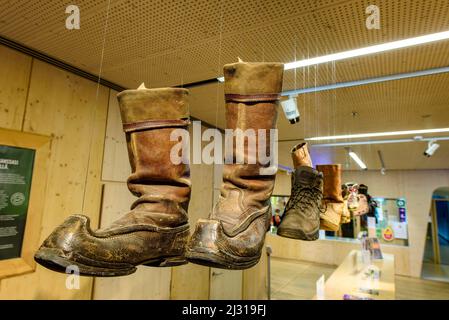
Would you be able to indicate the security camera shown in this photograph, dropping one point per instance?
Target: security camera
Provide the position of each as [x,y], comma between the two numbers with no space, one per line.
[431,148]
[291,111]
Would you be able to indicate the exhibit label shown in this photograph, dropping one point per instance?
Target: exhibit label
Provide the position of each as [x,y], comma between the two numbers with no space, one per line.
[16,170]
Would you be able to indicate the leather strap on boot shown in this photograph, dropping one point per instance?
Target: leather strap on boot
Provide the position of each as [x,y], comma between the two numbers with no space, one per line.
[153,124]
[252,97]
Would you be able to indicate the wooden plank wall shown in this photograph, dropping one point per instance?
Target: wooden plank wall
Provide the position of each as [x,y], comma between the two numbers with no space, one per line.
[38,98]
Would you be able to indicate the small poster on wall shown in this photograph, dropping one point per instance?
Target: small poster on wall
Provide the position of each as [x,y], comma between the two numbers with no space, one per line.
[16,170]
[399,230]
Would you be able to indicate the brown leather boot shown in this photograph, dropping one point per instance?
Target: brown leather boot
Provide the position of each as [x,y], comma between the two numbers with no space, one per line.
[301,219]
[155,231]
[301,156]
[330,219]
[234,234]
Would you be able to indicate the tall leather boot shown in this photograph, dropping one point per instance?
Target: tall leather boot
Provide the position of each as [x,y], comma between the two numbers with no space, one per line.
[301,219]
[330,219]
[155,231]
[234,234]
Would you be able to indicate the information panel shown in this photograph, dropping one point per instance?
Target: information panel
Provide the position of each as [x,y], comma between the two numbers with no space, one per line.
[16,170]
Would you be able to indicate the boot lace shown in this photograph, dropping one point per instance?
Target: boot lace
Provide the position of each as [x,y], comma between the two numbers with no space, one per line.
[305,197]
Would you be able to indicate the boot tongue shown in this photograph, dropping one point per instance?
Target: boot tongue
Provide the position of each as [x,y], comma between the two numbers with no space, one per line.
[306,175]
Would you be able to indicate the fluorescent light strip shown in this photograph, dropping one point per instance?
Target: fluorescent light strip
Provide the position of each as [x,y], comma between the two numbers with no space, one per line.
[369,50]
[358,143]
[349,84]
[359,161]
[378,134]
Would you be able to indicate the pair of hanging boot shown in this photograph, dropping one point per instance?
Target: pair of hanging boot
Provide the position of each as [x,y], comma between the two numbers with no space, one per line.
[156,230]
[316,200]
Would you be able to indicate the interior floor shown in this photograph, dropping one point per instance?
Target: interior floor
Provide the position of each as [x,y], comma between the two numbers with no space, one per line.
[435,272]
[296,280]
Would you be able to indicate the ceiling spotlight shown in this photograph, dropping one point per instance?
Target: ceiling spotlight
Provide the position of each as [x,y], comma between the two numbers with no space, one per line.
[431,148]
[356,158]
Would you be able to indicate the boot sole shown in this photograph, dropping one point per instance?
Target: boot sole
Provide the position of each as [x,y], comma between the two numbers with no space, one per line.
[53,260]
[216,259]
[298,234]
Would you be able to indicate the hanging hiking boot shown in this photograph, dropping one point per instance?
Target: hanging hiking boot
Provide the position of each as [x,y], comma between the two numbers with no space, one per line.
[301,219]
[234,234]
[331,218]
[155,231]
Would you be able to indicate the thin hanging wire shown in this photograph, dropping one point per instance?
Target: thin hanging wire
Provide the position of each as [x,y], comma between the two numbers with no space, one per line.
[94,112]
[220,49]
[217,96]
[295,75]
[183,46]
[304,115]
[315,75]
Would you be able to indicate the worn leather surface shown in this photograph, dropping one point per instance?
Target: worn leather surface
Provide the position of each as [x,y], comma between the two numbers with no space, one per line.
[331,218]
[234,234]
[154,104]
[301,156]
[301,219]
[156,229]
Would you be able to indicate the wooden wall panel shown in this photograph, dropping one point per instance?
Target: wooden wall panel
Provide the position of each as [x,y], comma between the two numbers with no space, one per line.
[255,279]
[116,163]
[67,108]
[15,71]
[224,284]
[191,281]
[146,282]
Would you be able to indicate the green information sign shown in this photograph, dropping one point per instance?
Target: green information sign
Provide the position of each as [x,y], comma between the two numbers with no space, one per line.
[16,170]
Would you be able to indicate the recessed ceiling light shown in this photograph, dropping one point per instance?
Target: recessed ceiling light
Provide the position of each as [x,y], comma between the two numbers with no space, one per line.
[369,50]
[378,134]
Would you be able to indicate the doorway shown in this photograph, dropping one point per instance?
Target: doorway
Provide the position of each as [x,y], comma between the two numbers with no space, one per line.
[436,253]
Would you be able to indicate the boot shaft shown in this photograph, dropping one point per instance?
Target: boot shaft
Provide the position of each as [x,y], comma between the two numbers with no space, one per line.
[332,182]
[253,78]
[153,104]
[252,92]
[301,156]
[149,118]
